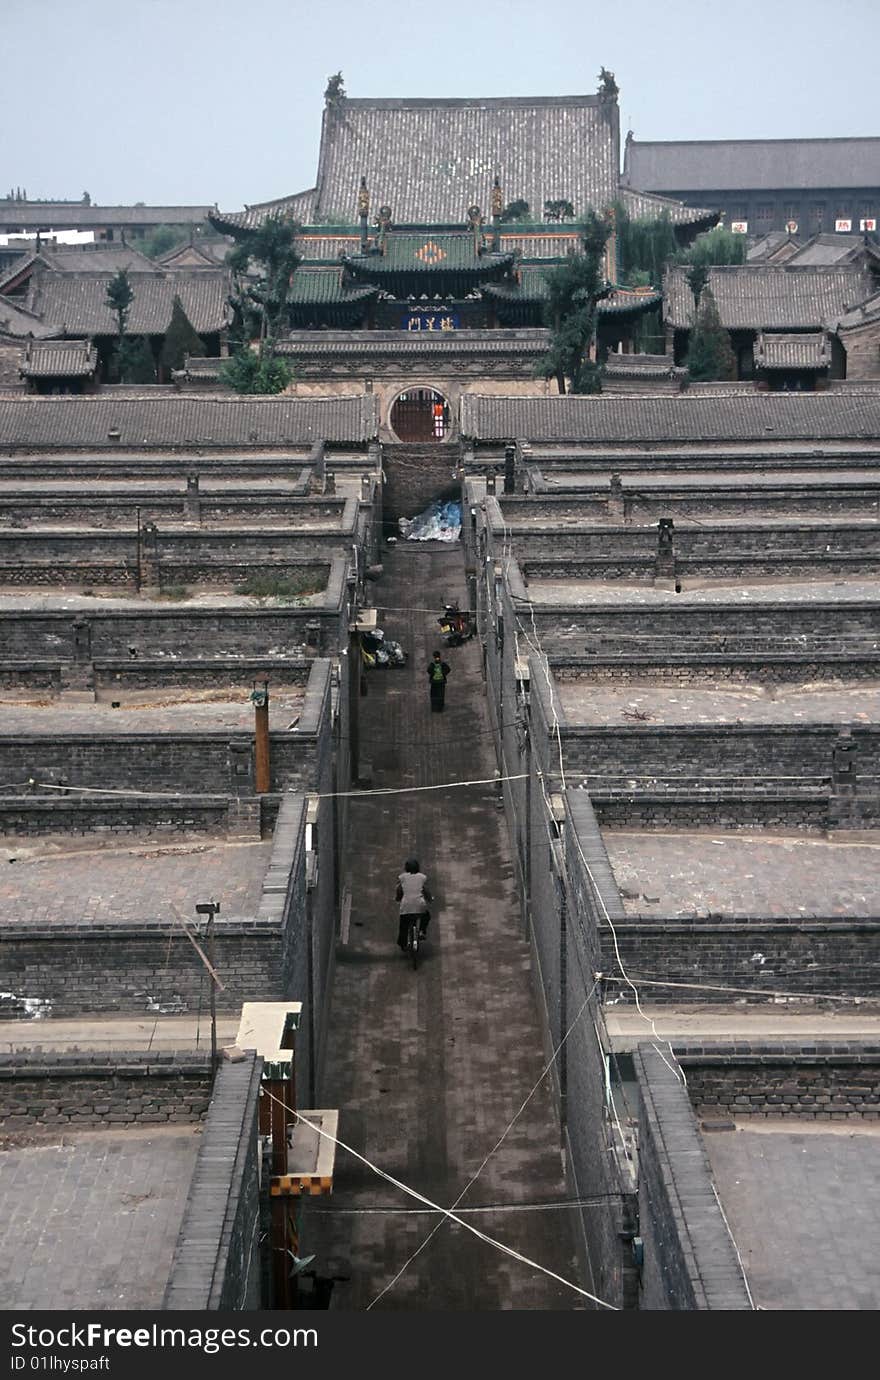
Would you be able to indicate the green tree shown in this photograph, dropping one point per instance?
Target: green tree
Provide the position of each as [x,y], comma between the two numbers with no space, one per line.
[138,363]
[261,297]
[162,239]
[515,210]
[120,295]
[180,339]
[573,291]
[697,278]
[716,246]
[255,371]
[558,210]
[710,356]
[644,248]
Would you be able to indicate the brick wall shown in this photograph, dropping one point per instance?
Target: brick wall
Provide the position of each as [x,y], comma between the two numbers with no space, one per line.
[819,1081]
[162,632]
[689,1259]
[862,345]
[216,1263]
[86,1090]
[637,503]
[798,752]
[715,809]
[710,669]
[567,630]
[415,476]
[808,955]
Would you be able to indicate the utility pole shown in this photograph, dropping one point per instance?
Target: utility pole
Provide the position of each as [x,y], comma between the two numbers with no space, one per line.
[260,700]
[210,908]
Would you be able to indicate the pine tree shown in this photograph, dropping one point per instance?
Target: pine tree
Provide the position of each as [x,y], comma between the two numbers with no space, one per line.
[120,295]
[710,356]
[573,291]
[180,339]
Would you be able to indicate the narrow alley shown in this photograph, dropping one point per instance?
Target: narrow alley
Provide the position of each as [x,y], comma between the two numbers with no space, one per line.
[430,1067]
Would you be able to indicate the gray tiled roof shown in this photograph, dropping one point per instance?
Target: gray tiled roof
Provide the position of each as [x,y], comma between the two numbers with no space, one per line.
[80,258]
[679,418]
[834,249]
[643,366]
[486,343]
[299,207]
[792,351]
[15,319]
[769,296]
[648,206]
[77,301]
[431,159]
[531,242]
[89,422]
[59,359]
[769,245]
[95,258]
[860,315]
[62,215]
[318,244]
[717,165]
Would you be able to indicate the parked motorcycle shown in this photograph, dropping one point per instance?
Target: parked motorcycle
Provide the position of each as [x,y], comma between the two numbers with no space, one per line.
[456,625]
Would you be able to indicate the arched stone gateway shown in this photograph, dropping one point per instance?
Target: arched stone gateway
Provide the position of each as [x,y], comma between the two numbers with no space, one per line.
[420,415]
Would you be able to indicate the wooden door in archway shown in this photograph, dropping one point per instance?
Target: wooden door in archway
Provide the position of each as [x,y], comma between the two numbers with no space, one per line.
[421,414]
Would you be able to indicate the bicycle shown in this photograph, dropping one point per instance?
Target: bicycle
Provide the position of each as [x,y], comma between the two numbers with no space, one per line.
[414,939]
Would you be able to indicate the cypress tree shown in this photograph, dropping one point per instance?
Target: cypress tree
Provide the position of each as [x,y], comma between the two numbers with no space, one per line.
[710,356]
[180,339]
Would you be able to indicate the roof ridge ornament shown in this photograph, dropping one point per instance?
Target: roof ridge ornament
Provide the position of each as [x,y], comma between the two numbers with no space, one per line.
[334,93]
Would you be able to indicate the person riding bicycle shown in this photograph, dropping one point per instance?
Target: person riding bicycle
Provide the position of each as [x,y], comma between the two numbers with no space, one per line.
[414,896]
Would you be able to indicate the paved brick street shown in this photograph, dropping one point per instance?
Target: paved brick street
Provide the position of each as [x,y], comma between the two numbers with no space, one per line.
[429,1067]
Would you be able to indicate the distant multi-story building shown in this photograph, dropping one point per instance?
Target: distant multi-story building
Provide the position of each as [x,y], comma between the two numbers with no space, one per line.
[805,185]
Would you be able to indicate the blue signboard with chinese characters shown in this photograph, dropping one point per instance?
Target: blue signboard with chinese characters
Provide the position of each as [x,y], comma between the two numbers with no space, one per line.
[437,318]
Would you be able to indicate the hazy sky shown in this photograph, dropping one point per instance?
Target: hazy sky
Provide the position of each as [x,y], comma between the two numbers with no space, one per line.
[197,101]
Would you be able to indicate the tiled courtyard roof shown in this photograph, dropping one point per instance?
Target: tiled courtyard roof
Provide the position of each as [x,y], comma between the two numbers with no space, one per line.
[771,297]
[59,359]
[861,314]
[77,301]
[706,418]
[105,423]
[16,320]
[793,351]
[646,367]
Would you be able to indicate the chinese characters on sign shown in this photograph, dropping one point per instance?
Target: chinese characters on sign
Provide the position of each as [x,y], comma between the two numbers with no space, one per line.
[430,319]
